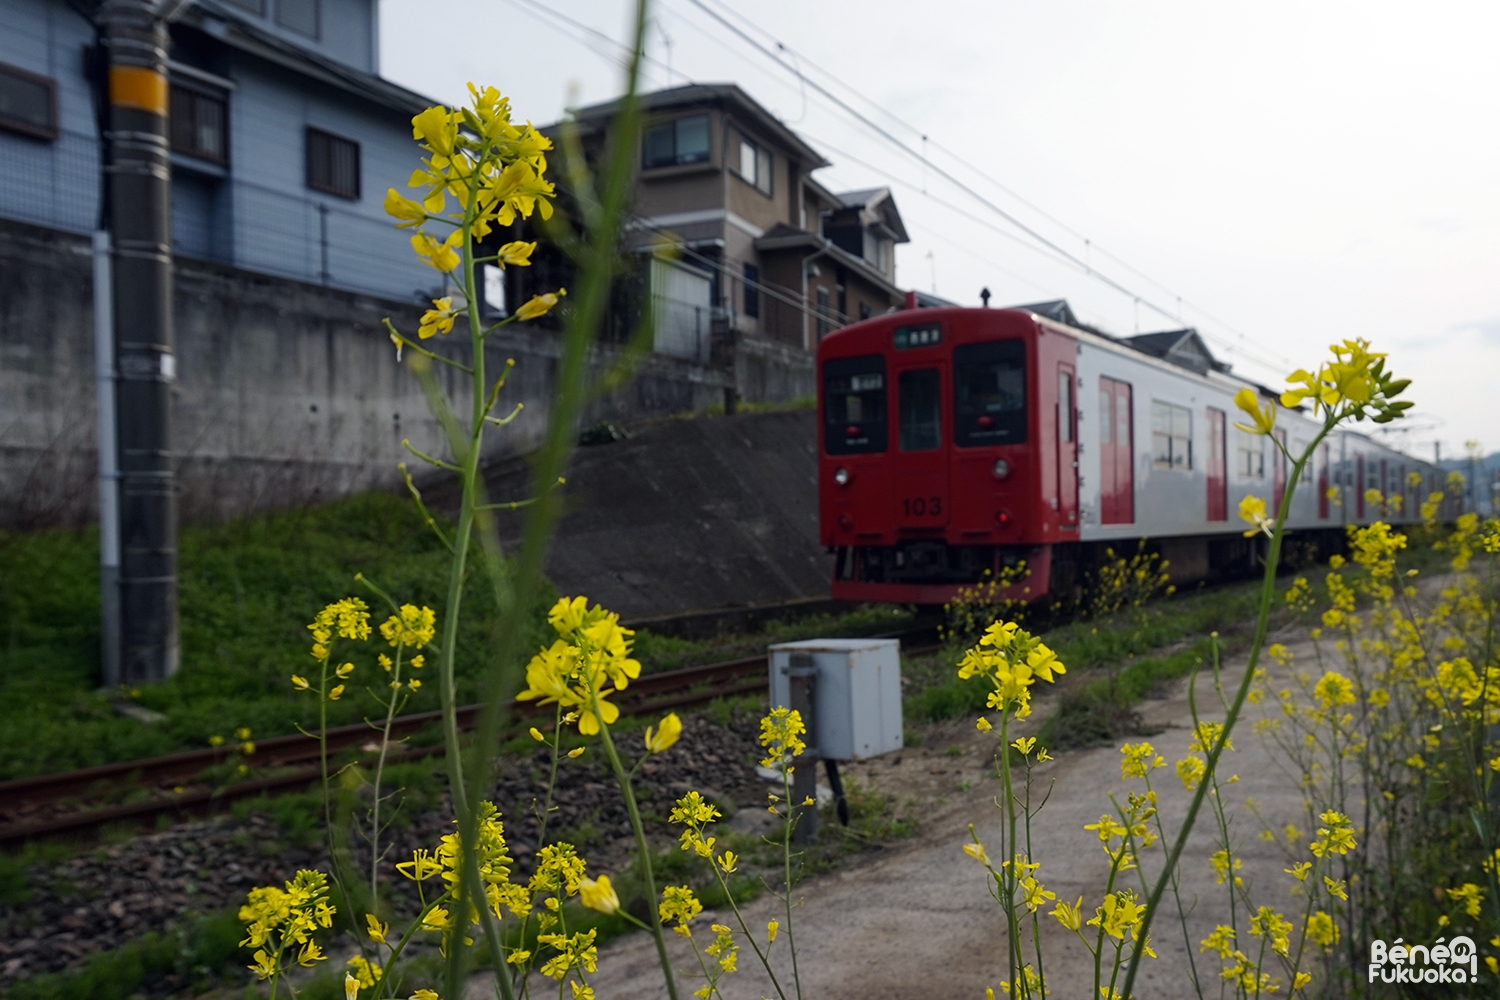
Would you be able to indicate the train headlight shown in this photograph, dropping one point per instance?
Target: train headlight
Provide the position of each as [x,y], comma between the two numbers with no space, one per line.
[841,476]
[1002,468]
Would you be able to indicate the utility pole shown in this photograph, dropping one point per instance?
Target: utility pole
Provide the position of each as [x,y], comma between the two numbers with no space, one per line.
[138,176]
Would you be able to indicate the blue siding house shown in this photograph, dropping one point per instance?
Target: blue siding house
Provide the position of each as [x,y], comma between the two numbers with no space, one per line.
[284,136]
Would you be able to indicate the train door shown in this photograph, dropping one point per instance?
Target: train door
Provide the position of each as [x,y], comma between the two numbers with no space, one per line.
[1323,483]
[1218,482]
[1359,487]
[1067,448]
[919,477]
[1278,471]
[1116,454]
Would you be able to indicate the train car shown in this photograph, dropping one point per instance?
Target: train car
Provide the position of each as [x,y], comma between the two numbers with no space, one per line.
[956,441]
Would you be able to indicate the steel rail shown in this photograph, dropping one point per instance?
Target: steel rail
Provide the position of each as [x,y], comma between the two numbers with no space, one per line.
[176,790]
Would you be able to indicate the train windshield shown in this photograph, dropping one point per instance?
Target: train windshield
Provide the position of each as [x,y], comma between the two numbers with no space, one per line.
[989,393]
[854,405]
[921,428]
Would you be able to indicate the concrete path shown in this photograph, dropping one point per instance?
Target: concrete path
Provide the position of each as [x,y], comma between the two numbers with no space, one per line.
[917,921]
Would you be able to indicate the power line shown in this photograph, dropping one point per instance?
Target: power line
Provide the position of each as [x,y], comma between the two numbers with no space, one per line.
[1228,345]
[1084,265]
[1047,248]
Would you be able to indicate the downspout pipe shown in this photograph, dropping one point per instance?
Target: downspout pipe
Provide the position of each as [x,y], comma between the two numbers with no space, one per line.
[807,261]
[109,471]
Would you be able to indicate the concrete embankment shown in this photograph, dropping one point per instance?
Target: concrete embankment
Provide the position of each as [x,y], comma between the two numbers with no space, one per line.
[686,515]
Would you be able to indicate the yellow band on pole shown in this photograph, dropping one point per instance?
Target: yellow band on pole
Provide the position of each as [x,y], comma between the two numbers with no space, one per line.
[138,87]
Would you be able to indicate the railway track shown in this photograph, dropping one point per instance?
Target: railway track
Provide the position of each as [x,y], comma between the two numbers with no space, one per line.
[174,788]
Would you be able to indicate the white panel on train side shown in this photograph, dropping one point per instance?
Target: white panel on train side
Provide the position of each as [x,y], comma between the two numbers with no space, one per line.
[1174,501]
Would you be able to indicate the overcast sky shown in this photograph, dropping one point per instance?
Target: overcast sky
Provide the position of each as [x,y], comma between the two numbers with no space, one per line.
[1291,172]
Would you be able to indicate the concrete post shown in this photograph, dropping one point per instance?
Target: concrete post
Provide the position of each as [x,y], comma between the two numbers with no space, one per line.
[139,181]
[803,679]
[109,474]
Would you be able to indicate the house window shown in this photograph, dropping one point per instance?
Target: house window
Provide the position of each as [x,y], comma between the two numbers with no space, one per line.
[752,291]
[28,103]
[198,124]
[1171,436]
[332,164]
[824,326]
[682,141]
[300,16]
[754,165]
[494,291]
[1250,456]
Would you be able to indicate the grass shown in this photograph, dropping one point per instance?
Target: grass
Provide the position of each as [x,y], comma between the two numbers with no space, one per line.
[192,956]
[1097,705]
[247,590]
[665,652]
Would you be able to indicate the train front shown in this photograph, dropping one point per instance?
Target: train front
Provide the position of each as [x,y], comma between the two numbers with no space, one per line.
[937,471]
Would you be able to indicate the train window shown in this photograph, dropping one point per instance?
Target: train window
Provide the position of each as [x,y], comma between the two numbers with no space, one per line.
[854,405]
[1065,406]
[989,393]
[921,417]
[1251,456]
[1171,436]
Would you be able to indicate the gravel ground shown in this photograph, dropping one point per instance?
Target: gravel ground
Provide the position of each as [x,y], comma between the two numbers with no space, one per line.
[916,920]
[110,895]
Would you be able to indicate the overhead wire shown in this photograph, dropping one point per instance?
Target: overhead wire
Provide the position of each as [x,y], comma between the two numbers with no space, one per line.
[1047,248]
[1083,265]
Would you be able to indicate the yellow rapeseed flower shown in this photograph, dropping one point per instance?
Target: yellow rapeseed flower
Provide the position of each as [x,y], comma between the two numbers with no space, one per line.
[771,928]
[336,693]
[410,214]
[300,683]
[1337,837]
[439,319]
[576,752]
[539,305]
[536,734]
[1070,917]
[1253,510]
[1262,419]
[516,254]
[438,255]
[665,737]
[1333,690]
[1322,929]
[598,894]
[366,972]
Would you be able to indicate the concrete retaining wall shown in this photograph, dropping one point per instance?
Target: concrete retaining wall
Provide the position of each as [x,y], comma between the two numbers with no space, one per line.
[286,392]
[712,512]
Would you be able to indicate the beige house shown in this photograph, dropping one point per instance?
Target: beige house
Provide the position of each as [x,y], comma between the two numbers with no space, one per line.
[767,259]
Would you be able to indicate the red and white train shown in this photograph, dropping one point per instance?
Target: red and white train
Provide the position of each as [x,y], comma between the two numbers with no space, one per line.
[954,441]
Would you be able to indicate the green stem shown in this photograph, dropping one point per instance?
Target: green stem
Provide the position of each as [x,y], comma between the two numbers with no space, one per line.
[385,742]
[764,957]
[643,846]
[1262,624]
[786,869]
